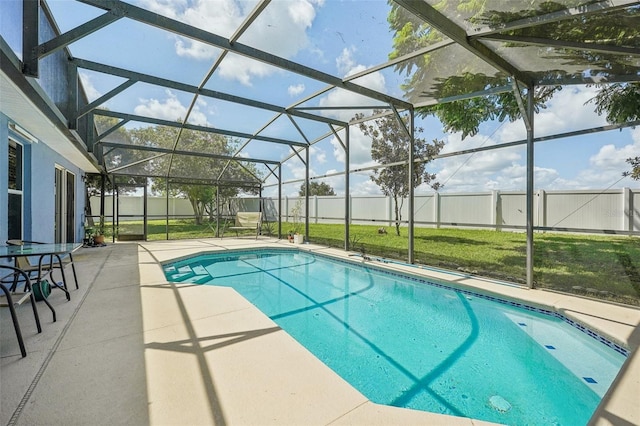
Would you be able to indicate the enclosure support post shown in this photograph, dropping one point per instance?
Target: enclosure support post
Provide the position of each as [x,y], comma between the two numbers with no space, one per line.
[115,213]
[279,200]
[217,211]
[145,212]
[30,32]
[72,89]
[411,165]
[530,183]
[102,189]
[167,218]
[306,194]
[346,189]
[102,186]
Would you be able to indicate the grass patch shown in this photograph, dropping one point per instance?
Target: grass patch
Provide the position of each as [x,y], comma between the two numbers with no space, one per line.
[606,267]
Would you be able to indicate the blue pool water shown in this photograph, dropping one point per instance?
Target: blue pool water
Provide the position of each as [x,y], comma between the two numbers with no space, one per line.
[405,342]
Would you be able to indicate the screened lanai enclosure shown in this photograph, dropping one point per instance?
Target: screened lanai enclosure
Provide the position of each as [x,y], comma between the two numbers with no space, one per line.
[441,108]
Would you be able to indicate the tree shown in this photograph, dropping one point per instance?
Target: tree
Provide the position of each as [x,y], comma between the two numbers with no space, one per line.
[390,144]
[192,176]
[316,188]
[635,171]
[115,158]
[620,101]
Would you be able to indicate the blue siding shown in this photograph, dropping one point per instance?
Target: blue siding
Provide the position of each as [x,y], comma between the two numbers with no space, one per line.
[39,181]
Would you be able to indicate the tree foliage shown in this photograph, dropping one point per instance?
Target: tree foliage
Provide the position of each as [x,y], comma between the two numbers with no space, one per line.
[190,173]
[390,144]
[620,102]
[438,74]
[116,158]
[635,168]
[316,188]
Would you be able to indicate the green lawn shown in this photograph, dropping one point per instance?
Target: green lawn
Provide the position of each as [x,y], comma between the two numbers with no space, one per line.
[562,261]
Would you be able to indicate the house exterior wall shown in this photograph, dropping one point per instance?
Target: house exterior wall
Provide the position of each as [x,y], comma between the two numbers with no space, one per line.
[39,159]
[38,187]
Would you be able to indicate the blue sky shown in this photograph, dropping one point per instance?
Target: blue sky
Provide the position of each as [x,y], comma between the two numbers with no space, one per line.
[340,38]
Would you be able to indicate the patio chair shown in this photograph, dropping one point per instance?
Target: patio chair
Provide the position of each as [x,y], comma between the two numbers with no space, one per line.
[12,303]
[245,221]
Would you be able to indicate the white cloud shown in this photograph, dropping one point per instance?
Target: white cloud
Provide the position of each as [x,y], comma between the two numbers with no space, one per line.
[359,144]
[610,157]
[281,29]
[172,109]
[89,88]
[317,155]
[297,169]
[336,182]
[365,187]
[168,8]
[242,69]
[566,111]
[607,165]
[345,62]
[505,169]
[295,90]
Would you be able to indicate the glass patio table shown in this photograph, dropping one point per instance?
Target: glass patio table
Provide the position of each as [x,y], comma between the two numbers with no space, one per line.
[43,252]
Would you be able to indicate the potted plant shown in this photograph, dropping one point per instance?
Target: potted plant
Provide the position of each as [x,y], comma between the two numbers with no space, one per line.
[88,236]
[98,236]
[298,238]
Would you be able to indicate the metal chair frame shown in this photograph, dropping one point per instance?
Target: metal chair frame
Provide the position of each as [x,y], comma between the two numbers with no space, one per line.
[11,304]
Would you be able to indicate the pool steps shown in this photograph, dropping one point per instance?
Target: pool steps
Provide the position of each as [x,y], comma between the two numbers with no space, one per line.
[188,274]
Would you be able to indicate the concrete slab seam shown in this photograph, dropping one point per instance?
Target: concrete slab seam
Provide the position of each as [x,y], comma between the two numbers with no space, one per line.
[25,398]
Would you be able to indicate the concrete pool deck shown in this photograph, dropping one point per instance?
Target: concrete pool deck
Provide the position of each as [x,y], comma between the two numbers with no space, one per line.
[131,348]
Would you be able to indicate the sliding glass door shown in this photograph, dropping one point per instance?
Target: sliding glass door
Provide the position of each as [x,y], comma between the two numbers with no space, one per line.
[64,225]
[15,220]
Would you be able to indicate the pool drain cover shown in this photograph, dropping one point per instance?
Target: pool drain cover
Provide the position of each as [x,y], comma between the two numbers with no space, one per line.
[499,403]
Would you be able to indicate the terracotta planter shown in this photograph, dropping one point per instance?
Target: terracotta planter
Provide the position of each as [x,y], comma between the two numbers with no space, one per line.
[98,239]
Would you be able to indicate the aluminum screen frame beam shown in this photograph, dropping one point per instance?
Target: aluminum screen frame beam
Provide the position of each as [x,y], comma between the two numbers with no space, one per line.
[60,42]
[429,14]
[574,12]
[189,153]
[188,88]
[177,27]
[169,123]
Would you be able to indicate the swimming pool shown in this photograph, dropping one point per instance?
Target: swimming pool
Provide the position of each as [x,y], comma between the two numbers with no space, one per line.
[403,341]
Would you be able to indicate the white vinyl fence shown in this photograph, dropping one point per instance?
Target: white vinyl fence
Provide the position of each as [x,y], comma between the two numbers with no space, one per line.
[615,211]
